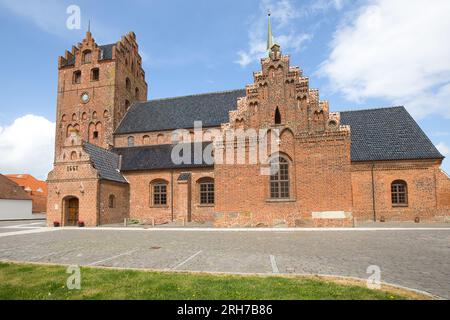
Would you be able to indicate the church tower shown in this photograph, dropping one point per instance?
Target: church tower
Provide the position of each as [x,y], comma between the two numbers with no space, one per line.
[96,86]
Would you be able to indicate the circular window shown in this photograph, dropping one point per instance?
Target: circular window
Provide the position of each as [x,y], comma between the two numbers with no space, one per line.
[85,97]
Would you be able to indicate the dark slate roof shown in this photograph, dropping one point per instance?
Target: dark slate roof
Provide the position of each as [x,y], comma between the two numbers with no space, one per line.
[387,134]
[107,51]
[106,54]
[180,113]
[377,134]
[155,157]
[106,162]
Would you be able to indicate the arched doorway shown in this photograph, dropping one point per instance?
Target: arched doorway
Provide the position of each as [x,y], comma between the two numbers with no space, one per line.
[71,211]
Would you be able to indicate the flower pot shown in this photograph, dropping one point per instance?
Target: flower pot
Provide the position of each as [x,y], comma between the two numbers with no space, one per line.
[56,224]
[80,224]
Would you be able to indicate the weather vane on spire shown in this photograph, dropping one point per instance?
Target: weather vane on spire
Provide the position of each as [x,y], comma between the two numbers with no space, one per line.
[269,34]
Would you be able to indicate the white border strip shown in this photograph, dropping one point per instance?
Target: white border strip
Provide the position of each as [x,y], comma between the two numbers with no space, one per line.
[250,229]
[273,263]
[187,260]
[113,257]
[18,233]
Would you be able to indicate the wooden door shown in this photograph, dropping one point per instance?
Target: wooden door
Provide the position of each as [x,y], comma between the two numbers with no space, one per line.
[72,218]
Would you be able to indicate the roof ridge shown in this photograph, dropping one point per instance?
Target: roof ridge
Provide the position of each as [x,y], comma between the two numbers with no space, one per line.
[194,95]
[373,108]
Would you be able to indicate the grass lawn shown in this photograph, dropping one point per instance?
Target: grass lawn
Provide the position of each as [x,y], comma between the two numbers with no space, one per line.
[31,281]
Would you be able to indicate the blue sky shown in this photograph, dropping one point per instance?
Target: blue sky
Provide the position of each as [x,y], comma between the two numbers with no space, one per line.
[360,54]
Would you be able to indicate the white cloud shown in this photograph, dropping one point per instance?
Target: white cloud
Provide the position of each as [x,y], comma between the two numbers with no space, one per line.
[27,146]
[51,16]
[394,50]
[443,148]
[283,15]
[322,5]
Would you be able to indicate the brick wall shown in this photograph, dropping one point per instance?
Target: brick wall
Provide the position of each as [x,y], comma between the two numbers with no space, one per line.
[120,205]
[141,204]
[421,178]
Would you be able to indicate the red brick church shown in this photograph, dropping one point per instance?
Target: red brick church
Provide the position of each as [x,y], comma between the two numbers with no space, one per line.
[113,151]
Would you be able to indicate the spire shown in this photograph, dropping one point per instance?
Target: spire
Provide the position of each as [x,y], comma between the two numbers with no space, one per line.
[88,32]
[269,34]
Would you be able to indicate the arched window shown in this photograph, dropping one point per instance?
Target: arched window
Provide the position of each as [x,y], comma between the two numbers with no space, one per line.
[128,84]
[131,141]
[76,77]
[112,201]
[127,105]
[399,193]
[73,155]
[136,93]
[279,179]
[95,74]
[145,139]
[159,193]
[87,56]
[98,130]
[206,191]
[277,116]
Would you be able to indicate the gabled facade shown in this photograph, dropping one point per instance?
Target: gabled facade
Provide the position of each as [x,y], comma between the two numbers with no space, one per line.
[333,167]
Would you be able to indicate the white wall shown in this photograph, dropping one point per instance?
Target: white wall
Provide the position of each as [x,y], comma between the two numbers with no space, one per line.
[16,209]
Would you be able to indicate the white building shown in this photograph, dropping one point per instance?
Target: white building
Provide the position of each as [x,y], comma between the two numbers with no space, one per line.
[15,203]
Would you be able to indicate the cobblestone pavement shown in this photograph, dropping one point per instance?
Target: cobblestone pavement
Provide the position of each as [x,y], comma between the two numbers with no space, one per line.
[418,259]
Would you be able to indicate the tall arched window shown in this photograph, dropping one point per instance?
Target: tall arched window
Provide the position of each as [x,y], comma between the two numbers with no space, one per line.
[146,140]
[128,84]
[131,141]
[112,201]
[127,105]
[277,116]
[279,179]
[158,193]
[399,193]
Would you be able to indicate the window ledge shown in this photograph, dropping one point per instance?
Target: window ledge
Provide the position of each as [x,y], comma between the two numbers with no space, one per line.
[205,205]
[280,200]
[399,206]
[160,207]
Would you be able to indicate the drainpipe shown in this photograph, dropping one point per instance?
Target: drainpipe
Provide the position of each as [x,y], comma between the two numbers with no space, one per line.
[373,194]
[171,194]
